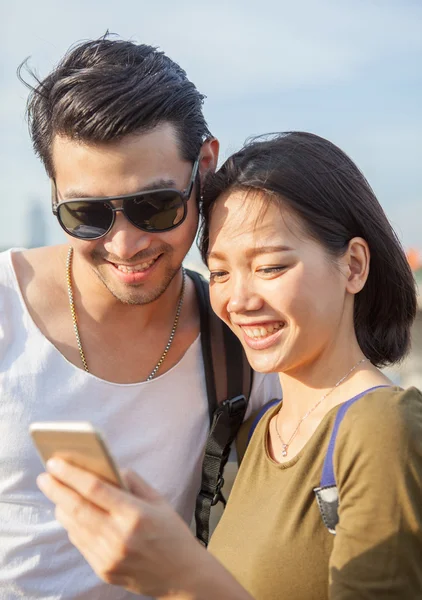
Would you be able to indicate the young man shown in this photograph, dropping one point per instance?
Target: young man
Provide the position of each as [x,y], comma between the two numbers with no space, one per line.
[106,328]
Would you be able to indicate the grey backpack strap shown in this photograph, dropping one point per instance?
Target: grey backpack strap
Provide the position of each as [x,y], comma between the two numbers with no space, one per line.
[228,381]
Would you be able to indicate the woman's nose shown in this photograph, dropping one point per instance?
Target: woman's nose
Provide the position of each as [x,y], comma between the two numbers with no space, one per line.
[243,298]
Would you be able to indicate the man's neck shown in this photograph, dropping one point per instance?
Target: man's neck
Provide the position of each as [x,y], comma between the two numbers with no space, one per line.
[122,343]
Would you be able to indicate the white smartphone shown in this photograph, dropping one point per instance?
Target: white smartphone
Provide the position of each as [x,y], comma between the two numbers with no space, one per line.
[80,444]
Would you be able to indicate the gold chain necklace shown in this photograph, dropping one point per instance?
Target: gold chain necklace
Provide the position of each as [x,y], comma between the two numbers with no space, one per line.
[285,445]
[75,320]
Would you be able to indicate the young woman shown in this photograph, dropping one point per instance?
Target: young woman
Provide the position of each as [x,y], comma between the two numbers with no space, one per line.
[307,272]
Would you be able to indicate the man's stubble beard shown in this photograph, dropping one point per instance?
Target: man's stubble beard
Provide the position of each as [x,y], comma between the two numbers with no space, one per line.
[135,296]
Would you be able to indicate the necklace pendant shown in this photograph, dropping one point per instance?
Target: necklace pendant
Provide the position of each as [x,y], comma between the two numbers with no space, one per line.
[284,446]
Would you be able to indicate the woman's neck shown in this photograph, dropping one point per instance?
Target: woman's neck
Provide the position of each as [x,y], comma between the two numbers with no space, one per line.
[336,379]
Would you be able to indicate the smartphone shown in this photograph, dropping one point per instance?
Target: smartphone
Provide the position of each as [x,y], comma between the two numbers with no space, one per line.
[78,443]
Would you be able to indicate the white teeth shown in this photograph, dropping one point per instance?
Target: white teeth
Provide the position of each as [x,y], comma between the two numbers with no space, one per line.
[262,331]
[136,268]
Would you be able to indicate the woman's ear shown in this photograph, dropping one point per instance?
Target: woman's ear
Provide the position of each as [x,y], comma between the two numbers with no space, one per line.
[357,259]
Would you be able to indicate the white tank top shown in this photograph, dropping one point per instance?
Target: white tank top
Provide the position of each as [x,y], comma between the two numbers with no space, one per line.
[156,428]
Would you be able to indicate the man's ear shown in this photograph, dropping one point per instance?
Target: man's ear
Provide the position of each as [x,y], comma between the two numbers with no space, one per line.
[209,156]
[357,260]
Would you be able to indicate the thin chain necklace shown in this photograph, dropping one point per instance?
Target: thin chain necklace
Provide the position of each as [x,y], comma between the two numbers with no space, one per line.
[75,320]
[285,445]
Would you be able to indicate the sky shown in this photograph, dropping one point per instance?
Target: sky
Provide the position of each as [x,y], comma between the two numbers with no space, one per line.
[349,70]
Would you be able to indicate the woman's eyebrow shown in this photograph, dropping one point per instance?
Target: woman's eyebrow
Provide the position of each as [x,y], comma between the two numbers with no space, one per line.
[252,252]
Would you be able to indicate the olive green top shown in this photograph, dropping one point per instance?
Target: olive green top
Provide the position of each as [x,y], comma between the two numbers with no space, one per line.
[272,538]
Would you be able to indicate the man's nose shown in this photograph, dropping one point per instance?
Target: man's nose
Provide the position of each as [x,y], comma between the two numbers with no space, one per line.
[124,239]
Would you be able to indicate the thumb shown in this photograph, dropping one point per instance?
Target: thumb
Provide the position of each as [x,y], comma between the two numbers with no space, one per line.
[139,487]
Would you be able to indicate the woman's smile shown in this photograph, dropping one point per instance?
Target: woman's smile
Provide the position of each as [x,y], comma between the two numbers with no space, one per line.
[261,335]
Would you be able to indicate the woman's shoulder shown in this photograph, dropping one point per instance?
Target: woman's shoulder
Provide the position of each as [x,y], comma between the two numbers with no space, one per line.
[387,421]
[386,406]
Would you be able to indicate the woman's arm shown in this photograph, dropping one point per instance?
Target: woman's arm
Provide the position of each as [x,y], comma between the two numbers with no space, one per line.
[135,540]
[213,582]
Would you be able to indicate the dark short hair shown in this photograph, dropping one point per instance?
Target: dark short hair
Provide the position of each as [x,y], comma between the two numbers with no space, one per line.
[105,89]
[335,203]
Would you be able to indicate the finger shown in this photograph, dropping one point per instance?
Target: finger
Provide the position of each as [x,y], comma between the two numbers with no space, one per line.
[104,539]
[96,490]
[139,487]
[104,545]
[70,502]
[103,557]
[75,513]
[93,534]
[123,518]
[97,550]
[90,529]
[58,492]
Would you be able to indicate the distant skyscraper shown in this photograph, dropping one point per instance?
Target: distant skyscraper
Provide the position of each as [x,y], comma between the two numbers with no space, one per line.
[36,225]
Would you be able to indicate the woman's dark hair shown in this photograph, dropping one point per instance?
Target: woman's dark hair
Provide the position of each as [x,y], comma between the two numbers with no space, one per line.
[105,89]
[323,186]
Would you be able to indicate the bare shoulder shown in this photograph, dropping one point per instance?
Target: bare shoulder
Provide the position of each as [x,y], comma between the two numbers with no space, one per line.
[39,272]
[38,264]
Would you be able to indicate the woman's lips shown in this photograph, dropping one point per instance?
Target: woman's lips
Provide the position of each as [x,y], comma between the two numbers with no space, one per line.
[260,336]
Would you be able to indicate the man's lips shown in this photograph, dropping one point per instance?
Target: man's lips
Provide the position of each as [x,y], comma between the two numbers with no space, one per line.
[134,268]
[134,273]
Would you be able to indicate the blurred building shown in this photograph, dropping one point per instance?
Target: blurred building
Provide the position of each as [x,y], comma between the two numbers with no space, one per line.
[410,372]
[36,227]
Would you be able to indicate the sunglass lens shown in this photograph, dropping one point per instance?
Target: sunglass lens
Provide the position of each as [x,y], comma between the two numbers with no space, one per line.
[157,211]
[86,220]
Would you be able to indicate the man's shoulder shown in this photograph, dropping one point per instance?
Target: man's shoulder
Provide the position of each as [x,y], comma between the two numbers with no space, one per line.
[37,257]
[35,264]
[23,271]
[5,259]
[7,273]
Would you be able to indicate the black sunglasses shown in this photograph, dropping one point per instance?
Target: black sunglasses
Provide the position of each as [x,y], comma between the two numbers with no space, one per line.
[150,210]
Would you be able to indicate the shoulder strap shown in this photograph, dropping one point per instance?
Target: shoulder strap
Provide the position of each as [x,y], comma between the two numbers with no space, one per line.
[227,371]
[259,416]
[327,493]
[228,381]
[247,430]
